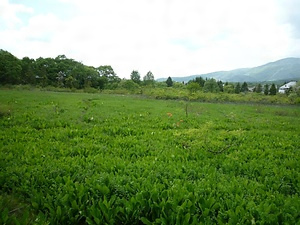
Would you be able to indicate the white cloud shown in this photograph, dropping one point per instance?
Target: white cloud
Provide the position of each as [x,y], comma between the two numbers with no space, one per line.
[9,14]
[168,37]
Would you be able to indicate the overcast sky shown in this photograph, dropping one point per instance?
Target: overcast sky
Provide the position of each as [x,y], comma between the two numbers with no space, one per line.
[167,37]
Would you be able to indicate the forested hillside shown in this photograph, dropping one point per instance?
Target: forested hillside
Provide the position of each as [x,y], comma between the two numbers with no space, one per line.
[281,70]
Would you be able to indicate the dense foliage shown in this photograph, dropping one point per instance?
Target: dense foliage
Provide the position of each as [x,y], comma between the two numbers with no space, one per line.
[64,73]
[191,93]
[58,72]
[78,158]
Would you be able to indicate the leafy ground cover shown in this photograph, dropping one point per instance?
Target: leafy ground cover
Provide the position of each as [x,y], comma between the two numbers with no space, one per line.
[79,158]
[221,97]
[181,92]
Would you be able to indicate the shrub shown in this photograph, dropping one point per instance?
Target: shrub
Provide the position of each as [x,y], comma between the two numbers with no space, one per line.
[193,87]
[90,90]
[4,111]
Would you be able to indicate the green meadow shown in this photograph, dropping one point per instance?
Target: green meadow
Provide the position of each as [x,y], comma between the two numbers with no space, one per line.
[80,158]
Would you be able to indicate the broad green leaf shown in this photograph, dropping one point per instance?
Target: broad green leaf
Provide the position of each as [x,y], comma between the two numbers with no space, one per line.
[145,221]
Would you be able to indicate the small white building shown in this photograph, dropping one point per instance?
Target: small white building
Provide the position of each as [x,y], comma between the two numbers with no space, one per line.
[287,86]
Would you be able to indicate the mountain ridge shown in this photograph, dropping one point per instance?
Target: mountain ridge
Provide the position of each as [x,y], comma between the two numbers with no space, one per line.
[283,69]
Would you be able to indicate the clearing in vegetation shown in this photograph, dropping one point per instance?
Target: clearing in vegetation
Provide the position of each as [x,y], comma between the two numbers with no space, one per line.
[78,158]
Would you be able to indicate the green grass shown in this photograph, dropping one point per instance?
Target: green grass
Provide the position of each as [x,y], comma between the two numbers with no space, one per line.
[78,158]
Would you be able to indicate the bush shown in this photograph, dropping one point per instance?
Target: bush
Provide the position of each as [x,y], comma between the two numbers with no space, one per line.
[193,87]
[24,87]
[130,86]
[56,89]
[90,90]
[293,97]
[4,111]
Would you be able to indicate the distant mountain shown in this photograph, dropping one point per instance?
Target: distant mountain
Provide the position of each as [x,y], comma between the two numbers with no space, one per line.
[284,69]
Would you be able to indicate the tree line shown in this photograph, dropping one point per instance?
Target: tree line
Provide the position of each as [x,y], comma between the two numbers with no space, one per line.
[63,72]
[67,73]
[214,86]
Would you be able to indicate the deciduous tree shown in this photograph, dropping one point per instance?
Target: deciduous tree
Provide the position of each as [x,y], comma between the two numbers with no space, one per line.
[198,80]
[109,78]
[193,87]
[135,76]
[228,88]
[149,78]
[211,85]
[10,68]
[28,71]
